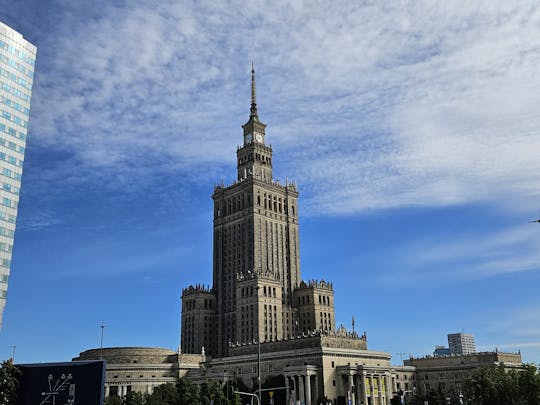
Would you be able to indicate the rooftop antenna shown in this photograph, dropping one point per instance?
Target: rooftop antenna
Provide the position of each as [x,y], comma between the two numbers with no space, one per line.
[253,110]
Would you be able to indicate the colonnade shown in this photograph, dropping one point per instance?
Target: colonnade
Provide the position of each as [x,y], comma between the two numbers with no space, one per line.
[369,388]
[123,389]
[302,387]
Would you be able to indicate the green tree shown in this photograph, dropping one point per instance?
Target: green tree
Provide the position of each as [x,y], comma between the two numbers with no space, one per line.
[529,384]
[436,397]
[9,383]
[238,385]
[134,398]
[187,392]
[212,390]
[113,400]
[496,386]
[164,394]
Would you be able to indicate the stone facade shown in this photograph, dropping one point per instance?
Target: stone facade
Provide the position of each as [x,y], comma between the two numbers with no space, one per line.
[315,365]
[336,365]
[141,368]
[198,319]
[257,289]
[448,373]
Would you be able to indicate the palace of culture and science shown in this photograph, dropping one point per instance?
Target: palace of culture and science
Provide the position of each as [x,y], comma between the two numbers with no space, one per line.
[257,289]
[260,319]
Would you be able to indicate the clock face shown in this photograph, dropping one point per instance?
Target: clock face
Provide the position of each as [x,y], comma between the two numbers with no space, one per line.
[258,137]
[249,138]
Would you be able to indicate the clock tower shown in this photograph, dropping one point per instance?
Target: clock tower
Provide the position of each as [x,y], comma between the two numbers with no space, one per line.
[254,157]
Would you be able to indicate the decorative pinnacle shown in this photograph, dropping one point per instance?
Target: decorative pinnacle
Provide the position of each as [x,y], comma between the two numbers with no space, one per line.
[253,111]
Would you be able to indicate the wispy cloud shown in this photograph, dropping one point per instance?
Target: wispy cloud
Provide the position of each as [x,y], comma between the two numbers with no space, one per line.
[512,328]
[466,256]
[370,105]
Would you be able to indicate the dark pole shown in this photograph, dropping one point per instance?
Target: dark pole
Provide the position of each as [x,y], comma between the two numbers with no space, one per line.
[258,349]
[101,343]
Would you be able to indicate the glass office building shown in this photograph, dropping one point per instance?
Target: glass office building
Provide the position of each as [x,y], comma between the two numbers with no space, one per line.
[17,60]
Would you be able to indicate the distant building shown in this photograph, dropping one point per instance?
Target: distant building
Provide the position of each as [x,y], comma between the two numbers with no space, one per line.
[448,373]
[17,60]
[441,351]
[461,343]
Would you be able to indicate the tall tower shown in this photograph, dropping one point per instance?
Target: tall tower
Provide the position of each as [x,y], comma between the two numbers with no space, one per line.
[257,292]
[256,245]
[17,60]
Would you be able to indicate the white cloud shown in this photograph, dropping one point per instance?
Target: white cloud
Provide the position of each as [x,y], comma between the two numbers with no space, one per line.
[370,105]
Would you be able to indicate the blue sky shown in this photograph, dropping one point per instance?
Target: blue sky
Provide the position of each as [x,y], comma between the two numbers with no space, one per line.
[411,128]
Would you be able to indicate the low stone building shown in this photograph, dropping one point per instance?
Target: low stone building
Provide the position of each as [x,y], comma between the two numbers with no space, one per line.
[141,368]
[315,365]
[448,373]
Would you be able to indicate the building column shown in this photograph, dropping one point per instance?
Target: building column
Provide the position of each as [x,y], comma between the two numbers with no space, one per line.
[364,390]
[373,400]
[301,396]
[381,399]
[308,390]
[351,385]
[358,392]
[390,394]
[316,387]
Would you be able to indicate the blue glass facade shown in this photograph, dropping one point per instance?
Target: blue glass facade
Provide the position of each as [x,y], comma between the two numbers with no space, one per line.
[17,61]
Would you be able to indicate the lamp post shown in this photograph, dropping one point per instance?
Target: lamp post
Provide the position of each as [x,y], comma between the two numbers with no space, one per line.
[258,345]
[101,343]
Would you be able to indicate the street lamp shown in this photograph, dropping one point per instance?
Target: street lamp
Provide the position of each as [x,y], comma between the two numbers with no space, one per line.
[258,344]
[101,343]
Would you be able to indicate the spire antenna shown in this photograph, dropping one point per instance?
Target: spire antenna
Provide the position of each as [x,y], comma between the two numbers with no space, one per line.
[253,111]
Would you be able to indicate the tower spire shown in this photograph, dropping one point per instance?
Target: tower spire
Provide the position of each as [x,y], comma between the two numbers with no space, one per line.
[253,111]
